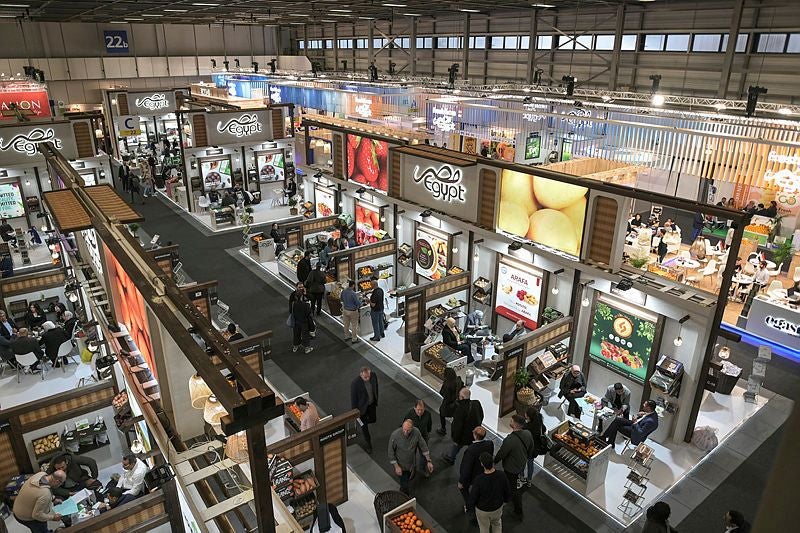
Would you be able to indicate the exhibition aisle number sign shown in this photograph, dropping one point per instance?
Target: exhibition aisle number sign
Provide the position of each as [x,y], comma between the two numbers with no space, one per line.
[116,41]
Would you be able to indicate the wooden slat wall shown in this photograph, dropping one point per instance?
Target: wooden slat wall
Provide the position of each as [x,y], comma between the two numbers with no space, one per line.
[338,156]
[150,510]
[278,130]
[8,463]
[395,176]
[506,403]
[335,471]
[414,317]
[51,414]
[343,269]
[447,285]
[31,283]
[83,139]
[374,251]
[122,103]
[487,199]
[601,236]
[200,135]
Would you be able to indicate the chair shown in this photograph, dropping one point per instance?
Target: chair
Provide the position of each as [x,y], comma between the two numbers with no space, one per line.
[86,371]
[709,270]
[749,269]
[65,351]
[27,360]
[775,286]
[203,203]
[775,272]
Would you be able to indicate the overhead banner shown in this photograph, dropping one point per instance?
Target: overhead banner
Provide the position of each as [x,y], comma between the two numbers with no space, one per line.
[35,102]
[446,188]
[149,103]
[19,144]
[240,127]
[129,126]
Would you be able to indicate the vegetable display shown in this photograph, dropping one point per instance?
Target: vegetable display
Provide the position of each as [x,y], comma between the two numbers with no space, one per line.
[368,162]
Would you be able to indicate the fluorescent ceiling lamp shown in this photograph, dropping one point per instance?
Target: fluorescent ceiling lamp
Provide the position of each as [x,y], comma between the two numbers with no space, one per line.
[15,5]
[8,16]
[133,18]
[543,5]
[298,15]
[177,10]
[413,14]
[204,4]
[395,5]
[367,18]
[467,10]
[112,22]
[148,15]
[301,23]
[342,10]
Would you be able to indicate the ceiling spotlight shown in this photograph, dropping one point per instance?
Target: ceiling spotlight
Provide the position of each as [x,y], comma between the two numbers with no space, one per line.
[569,83]
[455,250]
[554,290]
[658,100]
[426,213]
[585,301]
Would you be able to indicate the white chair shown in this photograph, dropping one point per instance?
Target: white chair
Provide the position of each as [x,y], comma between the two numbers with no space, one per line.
[685,254]
[203,203]
[709,270]
[86,372]
[775,272]
[748,269]
[775,289]
[65,352]
[27,360]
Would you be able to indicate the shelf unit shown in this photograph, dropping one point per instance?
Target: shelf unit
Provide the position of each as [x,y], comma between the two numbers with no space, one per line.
[587,472]
[639,467]
[546,365]
[482,291]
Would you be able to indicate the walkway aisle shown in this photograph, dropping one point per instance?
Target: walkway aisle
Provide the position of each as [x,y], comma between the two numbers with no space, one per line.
[258,303]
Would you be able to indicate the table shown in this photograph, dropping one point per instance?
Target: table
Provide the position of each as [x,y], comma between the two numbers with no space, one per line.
[741,280]
[686,263]
[604,413]
[755,262]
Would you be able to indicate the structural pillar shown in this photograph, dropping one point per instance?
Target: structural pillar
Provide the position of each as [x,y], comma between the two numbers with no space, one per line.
[733,38]
[533,40]
[259,472]
[412,46]
[370,44]
[613,69]
[465,69]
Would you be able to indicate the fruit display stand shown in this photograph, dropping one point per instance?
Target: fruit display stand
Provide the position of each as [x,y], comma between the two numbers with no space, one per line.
[261,247]
[287,263]
[435,357]
[404,519]
[579,456]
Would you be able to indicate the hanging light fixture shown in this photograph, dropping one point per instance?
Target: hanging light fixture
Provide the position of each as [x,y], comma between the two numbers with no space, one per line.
[554,290]
[724,353]
[585,301]
[213,411]
[236,447]
[678,341]
[137,446]
[198,391]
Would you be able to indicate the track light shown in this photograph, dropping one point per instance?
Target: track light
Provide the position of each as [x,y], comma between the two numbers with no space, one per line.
[361,190]
[254,64]
[554,290]
[273,65]
[514,246]
[585,301]
[226,63]
[537,76]
[426,213]
[624,284]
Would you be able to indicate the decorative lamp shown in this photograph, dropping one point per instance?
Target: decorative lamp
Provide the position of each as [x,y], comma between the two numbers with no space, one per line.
[213,411]
[724,353]
[198,391]
[137,446]
[236,447]
[698,248]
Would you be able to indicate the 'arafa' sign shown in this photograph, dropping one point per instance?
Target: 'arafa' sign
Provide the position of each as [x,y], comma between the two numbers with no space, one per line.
[242,126]
[442,186]
[444,183]
[27,143]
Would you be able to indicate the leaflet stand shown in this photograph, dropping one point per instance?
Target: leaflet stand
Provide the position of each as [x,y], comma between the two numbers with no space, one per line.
[640,464]
[759,373]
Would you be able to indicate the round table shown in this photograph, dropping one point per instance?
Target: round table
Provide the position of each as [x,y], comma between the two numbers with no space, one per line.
[741,281]
[755,262]
[686,263]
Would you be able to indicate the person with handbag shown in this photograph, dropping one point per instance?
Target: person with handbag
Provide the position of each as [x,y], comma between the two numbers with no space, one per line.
[316,288]
[514,453]
[535,426]
[449,390]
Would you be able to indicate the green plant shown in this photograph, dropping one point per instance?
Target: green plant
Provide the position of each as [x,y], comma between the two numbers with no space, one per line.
[293,201]
[638,262]
[776,227]
[521,378]
[134,227]
[783,252]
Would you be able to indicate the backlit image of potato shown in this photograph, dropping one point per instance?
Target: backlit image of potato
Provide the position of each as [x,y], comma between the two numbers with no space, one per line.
[542,210]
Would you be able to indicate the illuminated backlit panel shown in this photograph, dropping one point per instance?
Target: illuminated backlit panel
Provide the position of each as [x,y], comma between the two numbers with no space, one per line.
[131,309]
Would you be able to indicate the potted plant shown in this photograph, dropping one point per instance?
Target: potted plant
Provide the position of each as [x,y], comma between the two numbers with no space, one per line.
[133,228]
[293,205]
[782,254]
[524,393]
[639,258]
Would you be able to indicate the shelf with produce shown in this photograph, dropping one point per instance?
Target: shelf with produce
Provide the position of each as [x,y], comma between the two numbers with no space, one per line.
[580,450]
[304,508]
[481,297]
[434,358]
[550,315]
[366,272]
[304,484]
[454,270]
[404,260]
[44,448]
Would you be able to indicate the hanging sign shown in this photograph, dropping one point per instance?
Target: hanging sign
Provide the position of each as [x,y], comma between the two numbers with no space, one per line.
[444,187]
[443,118]
[237,127]
[275,94]
[129,126]
[36,102]
[116,41]
[151,103]
[19,143]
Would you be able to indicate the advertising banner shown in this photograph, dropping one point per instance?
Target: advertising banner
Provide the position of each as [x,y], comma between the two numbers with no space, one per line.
[519,292]
[441,186]
[19,144]
[368,221]
[368,162]
[622,338]
[129,126]
[431,253]
[271,166]
[216,173]
[542,210]
[324,201]
[11,205]
[240,127]
[149,103]
[533,147]
[36,101]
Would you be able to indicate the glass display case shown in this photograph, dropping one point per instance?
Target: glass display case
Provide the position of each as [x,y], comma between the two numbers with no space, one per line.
[287,263]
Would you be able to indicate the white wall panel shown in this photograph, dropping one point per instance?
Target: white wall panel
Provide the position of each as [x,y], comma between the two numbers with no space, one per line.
[94,68]
[111,66]
[127,67]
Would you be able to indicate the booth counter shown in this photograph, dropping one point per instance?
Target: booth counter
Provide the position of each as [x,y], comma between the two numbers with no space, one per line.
[775,319]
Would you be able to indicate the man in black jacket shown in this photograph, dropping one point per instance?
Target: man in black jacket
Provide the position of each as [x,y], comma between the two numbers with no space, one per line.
[125,176]
[517,447]
[471,464]
[24,344]
[304,267]
[468,415]
[303,322]
[315,283]
[364,397]
[7,326]
[376,311]
[52,339]
[489,492]
[81,473]
[573,385]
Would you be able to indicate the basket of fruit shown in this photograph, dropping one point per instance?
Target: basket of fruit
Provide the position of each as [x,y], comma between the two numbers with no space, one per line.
[407,522]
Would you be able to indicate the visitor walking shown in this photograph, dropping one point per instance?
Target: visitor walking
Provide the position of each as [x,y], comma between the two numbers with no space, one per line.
[517,447]
[404,443]
[376,311]
[468,415]
[534,423]
[471,465]
[364,397]
[489,492]
[421,418]
[449,390]
[351,303]
[316,288]
[300,311]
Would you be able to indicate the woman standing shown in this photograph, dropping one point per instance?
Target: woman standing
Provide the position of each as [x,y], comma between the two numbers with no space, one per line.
[450,386]
[316,287]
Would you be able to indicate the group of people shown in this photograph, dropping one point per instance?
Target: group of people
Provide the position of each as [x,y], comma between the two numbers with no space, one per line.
[68,474]
[42,337]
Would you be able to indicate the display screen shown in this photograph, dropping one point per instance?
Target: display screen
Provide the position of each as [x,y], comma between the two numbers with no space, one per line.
[542,210]
[11,205]
[368,221]
[566,150]
[519,292]
[216,174]
[430,253]
[368,162]
[270,166]
[533,147]
[324,202]
[622,338]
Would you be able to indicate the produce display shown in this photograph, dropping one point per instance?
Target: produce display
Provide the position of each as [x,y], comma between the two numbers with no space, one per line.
[365,286]
[545,211]
[48,443]
[409,522]
[405,249]
[761,229]
[578,446]
[435,367]
[294,411]
[304,484]
[120,401]
[305,507]
[437,311]
[368,162]
[365,272]
[660,270]
[455,270]
[482,283]
[621,340]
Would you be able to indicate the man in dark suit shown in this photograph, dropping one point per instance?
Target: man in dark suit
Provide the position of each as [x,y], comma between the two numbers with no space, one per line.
[467,416]
[573,385]
[7,233]
[364,397]
[735,522]
[24,344]
[304,267]
[52,339]
[7,326]
[642,425]
[471,465]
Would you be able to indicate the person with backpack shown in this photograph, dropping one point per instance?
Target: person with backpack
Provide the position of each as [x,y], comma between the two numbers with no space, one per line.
[514,453]
[133,186]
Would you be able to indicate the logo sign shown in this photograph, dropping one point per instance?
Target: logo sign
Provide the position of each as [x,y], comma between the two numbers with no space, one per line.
[783,325]
[363,106]
[27,101]
[775,157]
[332,434]
[116,41]
[205,91]
[153,102]
[443,118]
[275,95]
[129,126]
[444,183]
[28,143]
[243,126]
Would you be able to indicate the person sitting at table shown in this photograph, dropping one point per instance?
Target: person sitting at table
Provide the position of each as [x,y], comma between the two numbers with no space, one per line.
[618,398]
[452,339]
[474,321]
[737,267]
[516,330]
[132,479]
[573,385]
[232,333]
[329,247]
[771,211]
[228,200]
[762,275]
[59,309]
[636,221]
[7,326]
[642,425]
[69,323]
[52,338]
[81,472]
[35,317]
[671,227]
[114,498]
[7,233]
[24,344]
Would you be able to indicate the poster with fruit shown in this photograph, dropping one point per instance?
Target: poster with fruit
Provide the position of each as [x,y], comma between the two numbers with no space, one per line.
[368,224]
[430,253]
[519,292]
[324,202]
[543,210]
[368,162]
[622,338]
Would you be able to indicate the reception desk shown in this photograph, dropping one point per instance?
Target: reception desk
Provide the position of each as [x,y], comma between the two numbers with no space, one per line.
[776,320]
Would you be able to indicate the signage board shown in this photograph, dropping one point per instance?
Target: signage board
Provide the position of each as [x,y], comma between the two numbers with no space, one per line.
[446,188]
[129,126]
[431,253]
[332,434]
[149,103]
[519,292]
[36,102]
[368,222]
[18,144]
[116,41]
[271,166]
[368,161]
[240,127]
[533,147]
[11,205]
[324,201]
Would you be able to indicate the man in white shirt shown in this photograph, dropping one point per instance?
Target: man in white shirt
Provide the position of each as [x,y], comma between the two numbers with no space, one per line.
[762,275]
[132,478]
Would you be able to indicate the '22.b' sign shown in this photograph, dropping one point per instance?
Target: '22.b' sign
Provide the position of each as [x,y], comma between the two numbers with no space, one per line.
[116,41]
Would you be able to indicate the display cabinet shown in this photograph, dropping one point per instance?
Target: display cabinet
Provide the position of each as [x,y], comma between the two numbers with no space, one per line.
[287,263]
[261,247]
[437,356]
[578,456]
